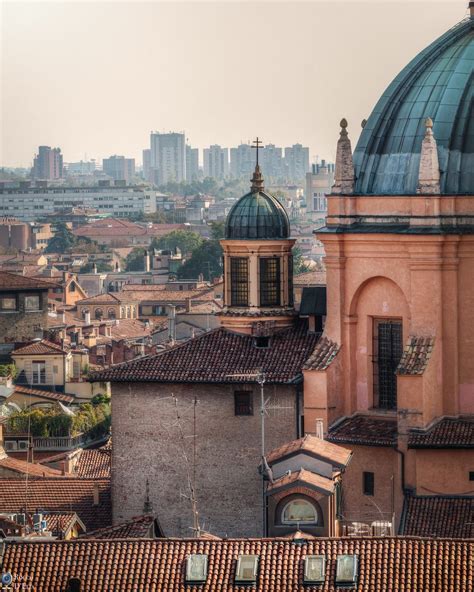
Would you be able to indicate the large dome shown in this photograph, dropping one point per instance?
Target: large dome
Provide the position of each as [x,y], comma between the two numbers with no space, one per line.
[438,83]
[257,215]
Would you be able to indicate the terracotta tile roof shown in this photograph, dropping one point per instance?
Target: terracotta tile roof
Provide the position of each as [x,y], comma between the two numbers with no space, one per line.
[310,278]
[94,463]
[43,347]
[105,298]
[365,430]
[332,453]
[130,329]
[416,355]
[438,516]
[22,467]
[144,287]
[214,356]
[139,295]
[50,395]
[60,495]
[141,527]
[385,564]
[11,281]
[60,523]
[302,477]
[323,354]
[448,432]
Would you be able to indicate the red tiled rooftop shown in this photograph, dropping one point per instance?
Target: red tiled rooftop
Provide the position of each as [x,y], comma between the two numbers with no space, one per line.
[323,354]
[12,281]
[438,516]
[22,467]
[105,298]
[215,356]
[416,356]
[140,527]
[448,432]
[59,495]
[60,523]
[385,564]
[53,396]
[42,347]
[310,278]
[302,477]
[94,463]
[365,430]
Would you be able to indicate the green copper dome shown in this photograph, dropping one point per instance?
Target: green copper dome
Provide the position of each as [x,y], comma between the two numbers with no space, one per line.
[257,215]
[438,83]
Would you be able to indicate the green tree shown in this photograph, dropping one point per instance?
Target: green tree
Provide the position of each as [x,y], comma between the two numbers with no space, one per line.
[205,260]
[185,240]
[101,267]
[62,241]
[217,230]
[135,260]
[299,264]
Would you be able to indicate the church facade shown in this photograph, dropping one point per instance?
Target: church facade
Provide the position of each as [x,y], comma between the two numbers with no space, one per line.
[399,243]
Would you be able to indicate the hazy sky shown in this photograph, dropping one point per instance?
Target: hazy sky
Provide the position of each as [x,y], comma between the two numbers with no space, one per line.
[96,77]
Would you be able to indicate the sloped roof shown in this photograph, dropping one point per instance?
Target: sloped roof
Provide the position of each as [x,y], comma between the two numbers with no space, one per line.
[216,355]
[105,298]
[402,564]
[50,395]
[438,516]
[60,523]
[310,278]
[416,355]
[94,463]
[136,528]
[364,430]
[42,347]
[448,432]
[63,495]
[12,281]
[322,355]
[22,467]
[332,453]
[303,477]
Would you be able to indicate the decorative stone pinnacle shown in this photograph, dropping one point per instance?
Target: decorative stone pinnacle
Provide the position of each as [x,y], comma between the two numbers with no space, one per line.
[257,180]
[363,123]
[429,173]
[344,174]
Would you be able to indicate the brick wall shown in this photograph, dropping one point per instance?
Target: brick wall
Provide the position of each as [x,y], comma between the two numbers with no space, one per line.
[148,444]
[21,326]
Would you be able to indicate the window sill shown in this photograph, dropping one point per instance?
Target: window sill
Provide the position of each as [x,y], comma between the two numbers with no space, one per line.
[9,311]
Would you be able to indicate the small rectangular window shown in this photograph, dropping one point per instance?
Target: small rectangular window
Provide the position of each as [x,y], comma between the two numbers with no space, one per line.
[243,403]
[471,475]
[239,281]
[32,303]
[39,372]
[8,303]
[196,568]
[346,570]
[314,569]
[368,483]
[269,281]
[247,566]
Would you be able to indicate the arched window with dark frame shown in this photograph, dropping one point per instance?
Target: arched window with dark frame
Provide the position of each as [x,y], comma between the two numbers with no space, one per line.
[299,510]
[239,281]
[270,281]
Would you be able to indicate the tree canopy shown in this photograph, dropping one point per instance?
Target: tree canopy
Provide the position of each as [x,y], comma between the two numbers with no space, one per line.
[62,241]
[135,260]
[185,240]
[205,260]
[299,264]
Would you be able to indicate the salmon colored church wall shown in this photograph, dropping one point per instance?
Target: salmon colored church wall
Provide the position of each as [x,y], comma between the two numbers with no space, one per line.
[444,472]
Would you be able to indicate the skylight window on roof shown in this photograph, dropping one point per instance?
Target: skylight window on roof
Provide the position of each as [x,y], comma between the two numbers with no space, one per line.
[314,569]
[346,571]
[246,572]
[196,568]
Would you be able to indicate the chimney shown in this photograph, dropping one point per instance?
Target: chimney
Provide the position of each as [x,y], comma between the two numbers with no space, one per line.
[172,323]
[146,259]
[344,175]
[63,317]
[94,268]
[95,495]
[87,317]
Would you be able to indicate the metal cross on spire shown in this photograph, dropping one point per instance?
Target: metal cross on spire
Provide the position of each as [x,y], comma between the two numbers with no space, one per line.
[257,143]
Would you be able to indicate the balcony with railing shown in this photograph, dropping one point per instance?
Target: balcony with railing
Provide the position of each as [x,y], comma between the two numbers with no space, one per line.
[374,524]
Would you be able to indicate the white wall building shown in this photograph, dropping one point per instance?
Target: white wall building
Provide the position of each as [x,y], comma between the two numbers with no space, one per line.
[168,157]
[216,162]
[318,184]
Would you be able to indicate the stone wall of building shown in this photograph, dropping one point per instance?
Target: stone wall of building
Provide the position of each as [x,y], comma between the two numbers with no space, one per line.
[155,427]
[21,326]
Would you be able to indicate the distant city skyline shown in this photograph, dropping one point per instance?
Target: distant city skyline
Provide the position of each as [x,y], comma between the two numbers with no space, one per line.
[283,76]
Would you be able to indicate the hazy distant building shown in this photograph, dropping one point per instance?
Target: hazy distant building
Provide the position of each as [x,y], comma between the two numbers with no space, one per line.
[119,168]
[168,157]
[296,162]
[48,163]
[242,161]
[83,167]
[192,163]
[271,161]
[146,159]
[216,162]
[318,184]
